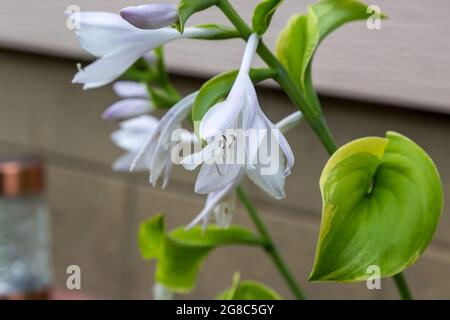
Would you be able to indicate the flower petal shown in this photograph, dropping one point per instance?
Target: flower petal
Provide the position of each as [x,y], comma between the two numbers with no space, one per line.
[155,153]
[131,140]
[133,133]
[279,137]
[193,160]
[221,116]
[124,162]
[130,89]
[110,67]
[272,184]
[214,177]
[170,122]
[214,199]
[101,32]
[145,123]
[127,108]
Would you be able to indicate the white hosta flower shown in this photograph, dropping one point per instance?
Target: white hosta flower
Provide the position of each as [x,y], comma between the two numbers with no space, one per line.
[118,45]
[240,113]
[216,202]
[161,292]
[135,102]
[131,136]
[155,155]
[151,16]
[222,203]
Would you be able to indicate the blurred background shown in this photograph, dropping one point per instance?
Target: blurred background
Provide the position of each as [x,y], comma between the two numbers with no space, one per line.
[396,78]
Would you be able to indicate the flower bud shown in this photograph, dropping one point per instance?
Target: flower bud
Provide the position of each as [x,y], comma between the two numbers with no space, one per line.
[150,16]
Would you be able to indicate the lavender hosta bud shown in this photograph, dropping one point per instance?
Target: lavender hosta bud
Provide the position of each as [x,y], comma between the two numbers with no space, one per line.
[150,16]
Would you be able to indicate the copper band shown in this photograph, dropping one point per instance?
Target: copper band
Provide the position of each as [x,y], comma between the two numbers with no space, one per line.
[21,176]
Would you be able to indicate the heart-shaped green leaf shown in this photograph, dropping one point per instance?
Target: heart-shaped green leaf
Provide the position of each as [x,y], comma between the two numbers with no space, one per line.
[186,8]
[300,38]
[217,88]
[181,253]
[382,199]
[248,290]
[263,15]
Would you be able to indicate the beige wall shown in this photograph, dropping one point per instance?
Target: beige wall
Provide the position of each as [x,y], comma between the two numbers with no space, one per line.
[403,63]
[96,212]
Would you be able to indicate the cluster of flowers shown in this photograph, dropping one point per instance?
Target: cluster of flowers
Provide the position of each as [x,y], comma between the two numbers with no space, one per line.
[119,41]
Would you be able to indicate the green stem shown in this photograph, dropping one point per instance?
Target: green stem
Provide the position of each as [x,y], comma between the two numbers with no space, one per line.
[402,286]
[312,113]
[270,247]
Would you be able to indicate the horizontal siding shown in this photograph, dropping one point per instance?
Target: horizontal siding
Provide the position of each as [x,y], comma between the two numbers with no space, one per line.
[406,63]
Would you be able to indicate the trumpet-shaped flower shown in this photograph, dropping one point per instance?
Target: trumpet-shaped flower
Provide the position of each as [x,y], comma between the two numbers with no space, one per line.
[118,45]
[151,16]
[131,136]
[222,202]
[155,154]
[135,102]
[239,135]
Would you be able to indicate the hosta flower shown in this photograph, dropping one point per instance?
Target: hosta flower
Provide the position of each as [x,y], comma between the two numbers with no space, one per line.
[155,155]
[135,102]
[131,136]
[151,16]
[118,45]
[222,203]
[228,127]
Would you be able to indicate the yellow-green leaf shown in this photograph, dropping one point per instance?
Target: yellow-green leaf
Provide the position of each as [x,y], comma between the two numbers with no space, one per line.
[263,15]
[299,40]
[248,290]
[181,253]
[186,8]
[382,199]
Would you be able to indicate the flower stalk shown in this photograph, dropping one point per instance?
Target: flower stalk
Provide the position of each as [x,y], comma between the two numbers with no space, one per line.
[270,246]
[312,114]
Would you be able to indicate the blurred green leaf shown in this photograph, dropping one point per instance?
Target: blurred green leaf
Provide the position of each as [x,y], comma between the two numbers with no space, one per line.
[263,15]
[382,199]
[186,8]
[217,88]
[180,253]
[248,290]
[161,97]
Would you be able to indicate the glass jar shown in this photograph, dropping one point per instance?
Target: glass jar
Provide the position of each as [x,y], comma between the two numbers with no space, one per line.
[25,271]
